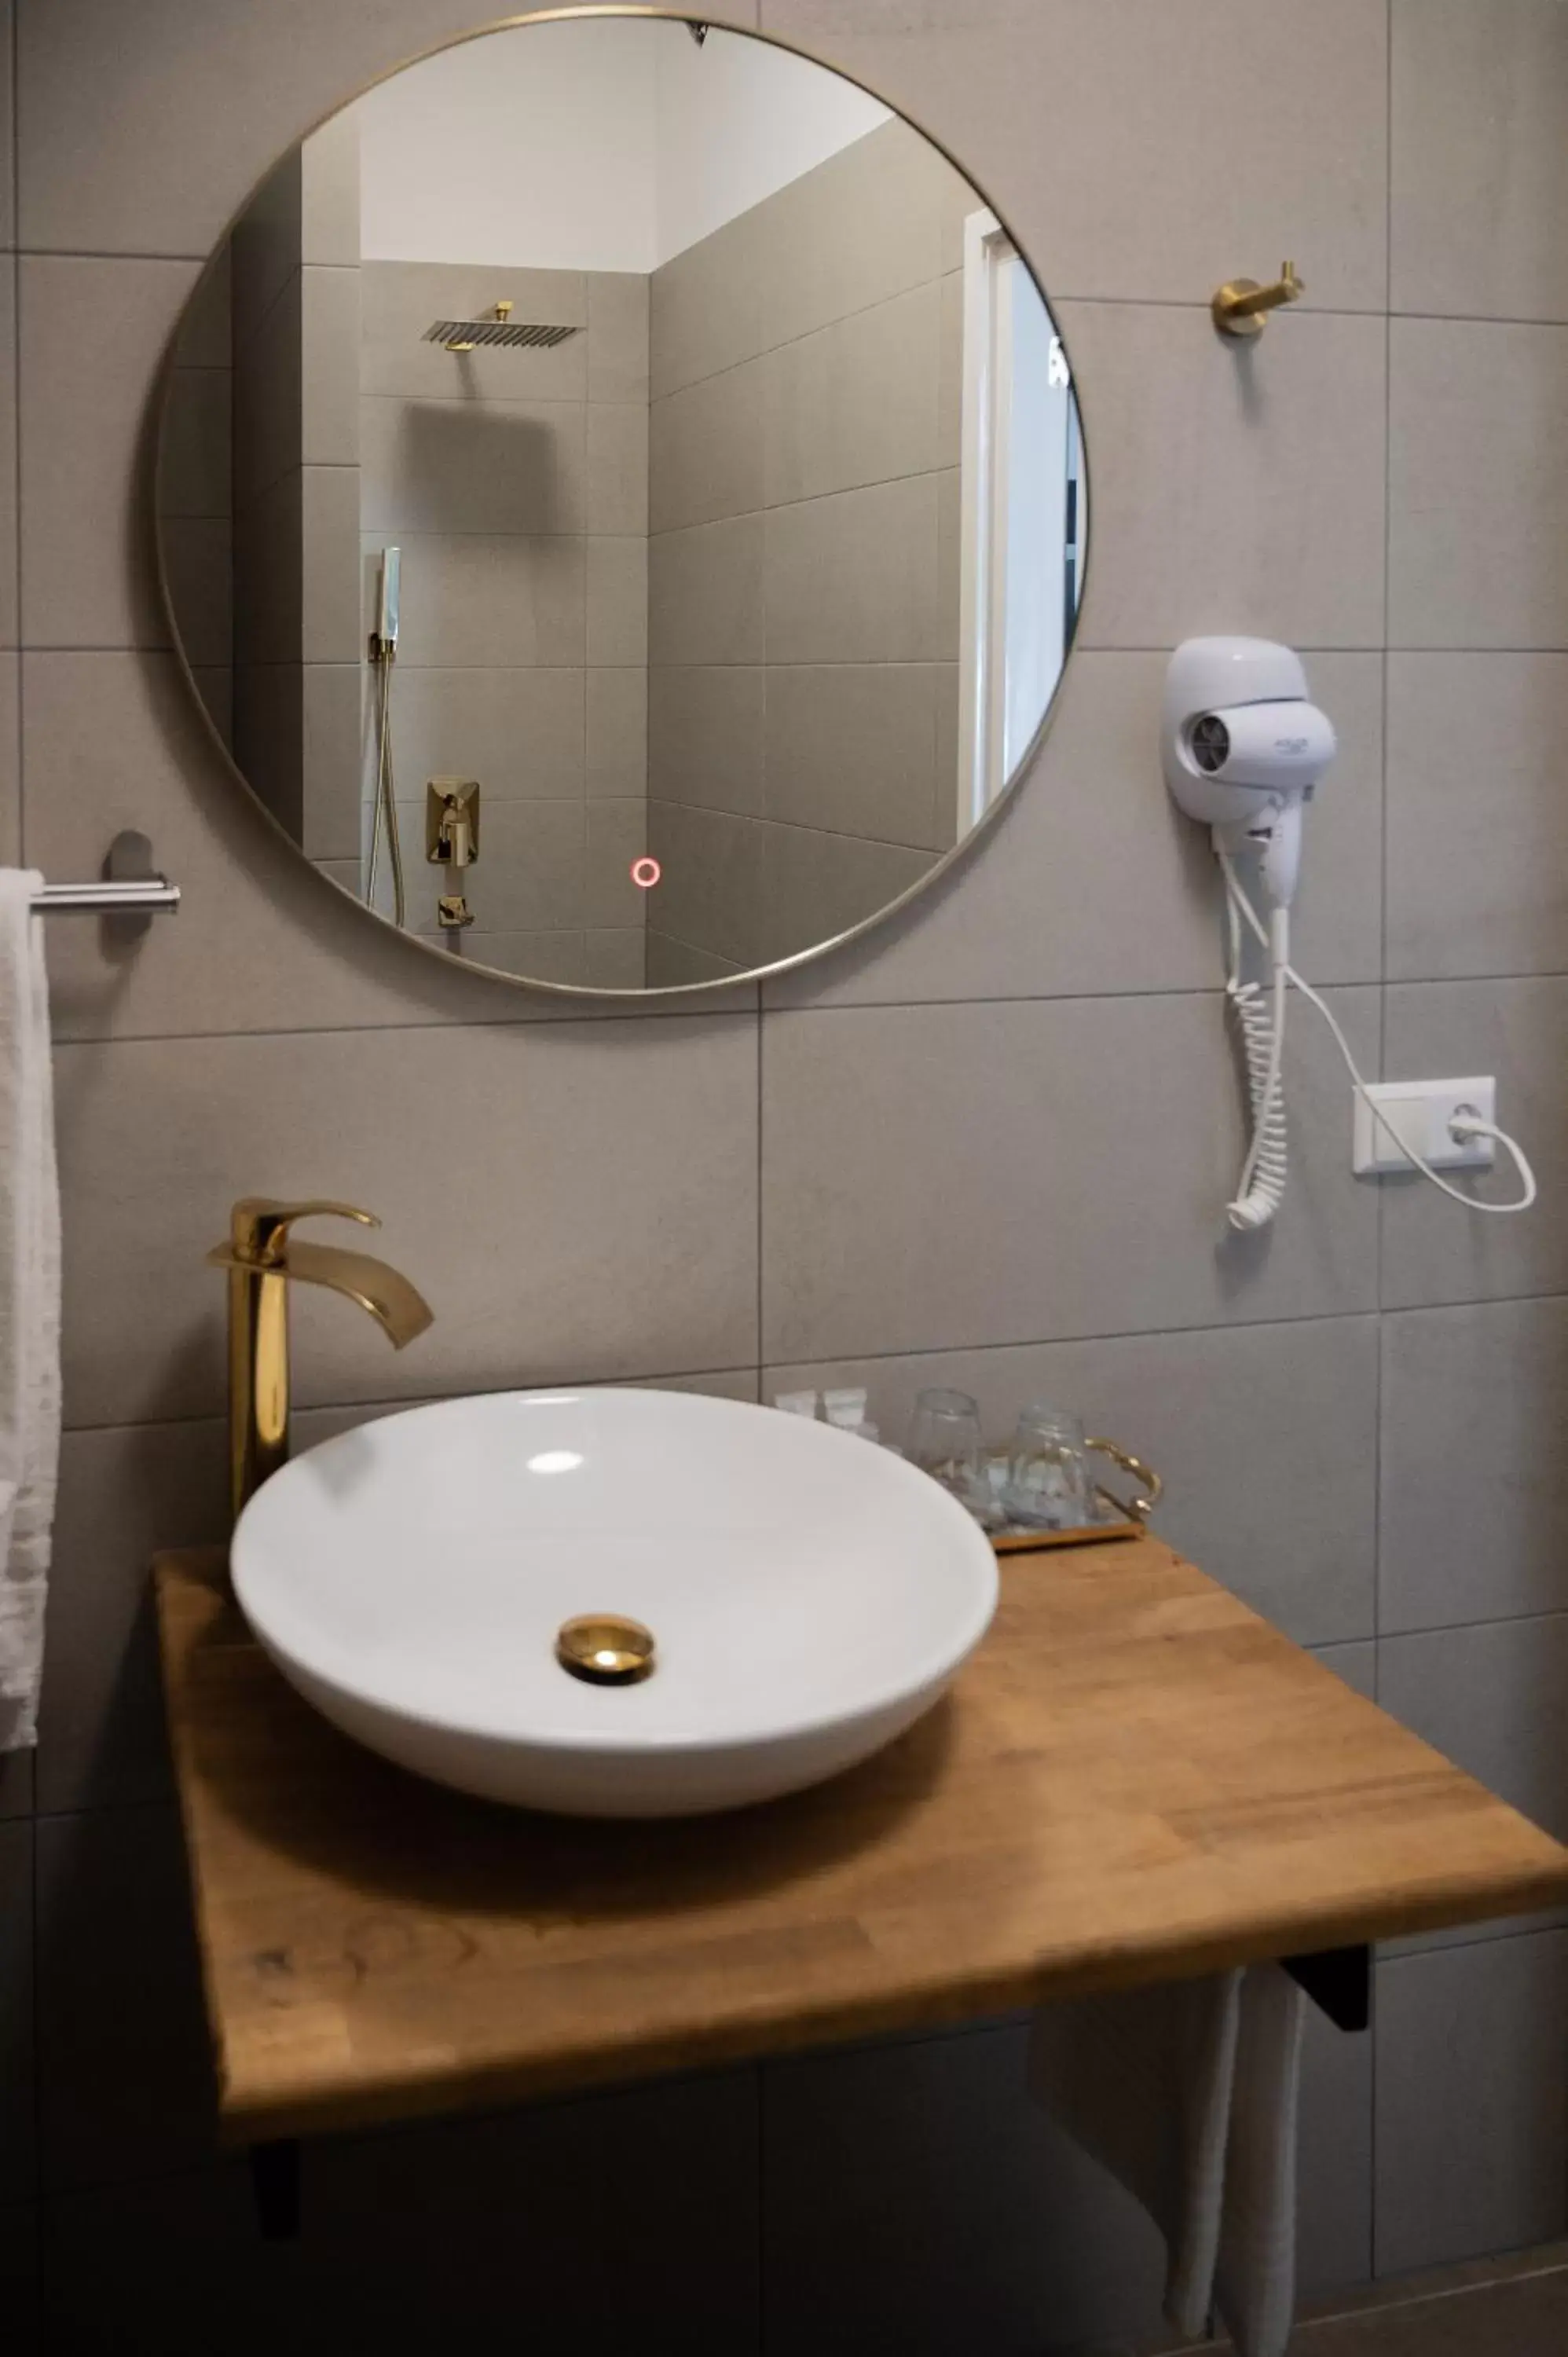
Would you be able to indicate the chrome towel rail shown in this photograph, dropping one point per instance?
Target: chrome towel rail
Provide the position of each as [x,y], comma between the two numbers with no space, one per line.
[109,899]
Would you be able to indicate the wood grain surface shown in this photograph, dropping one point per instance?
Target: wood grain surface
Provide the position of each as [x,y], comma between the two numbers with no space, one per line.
[1134,1778]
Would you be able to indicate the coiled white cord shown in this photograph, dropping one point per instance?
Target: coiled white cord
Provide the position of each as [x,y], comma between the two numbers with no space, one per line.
[1263,1184]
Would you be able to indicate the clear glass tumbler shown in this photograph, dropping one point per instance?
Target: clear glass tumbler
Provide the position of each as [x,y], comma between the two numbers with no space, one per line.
[1047,1481]
[944,1441]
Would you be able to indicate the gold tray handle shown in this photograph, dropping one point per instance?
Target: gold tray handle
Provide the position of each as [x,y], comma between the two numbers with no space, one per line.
[1139,1507]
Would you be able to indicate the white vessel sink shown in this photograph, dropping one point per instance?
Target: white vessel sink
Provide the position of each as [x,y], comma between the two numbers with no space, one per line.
[809,1595]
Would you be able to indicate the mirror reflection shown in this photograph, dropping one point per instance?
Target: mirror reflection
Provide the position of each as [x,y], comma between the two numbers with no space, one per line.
[621,503]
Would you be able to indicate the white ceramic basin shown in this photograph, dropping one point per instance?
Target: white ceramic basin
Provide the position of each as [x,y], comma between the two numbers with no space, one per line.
[810,1594]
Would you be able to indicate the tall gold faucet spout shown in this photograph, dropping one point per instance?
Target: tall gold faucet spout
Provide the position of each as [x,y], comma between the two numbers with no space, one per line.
[261,1259]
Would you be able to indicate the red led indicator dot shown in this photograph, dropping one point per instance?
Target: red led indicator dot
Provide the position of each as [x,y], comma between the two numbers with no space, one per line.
[646,872]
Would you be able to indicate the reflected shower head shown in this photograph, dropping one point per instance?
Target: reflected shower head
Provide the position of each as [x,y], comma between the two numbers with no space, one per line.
[499,328]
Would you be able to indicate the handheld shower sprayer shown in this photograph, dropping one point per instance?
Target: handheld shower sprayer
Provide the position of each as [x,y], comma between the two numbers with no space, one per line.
[1244,748]
[383,654]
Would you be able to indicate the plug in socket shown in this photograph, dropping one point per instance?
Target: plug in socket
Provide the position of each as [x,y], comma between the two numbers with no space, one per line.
[1420,1113]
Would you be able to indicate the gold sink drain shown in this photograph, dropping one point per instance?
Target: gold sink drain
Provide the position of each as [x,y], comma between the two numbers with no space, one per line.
[604,1648]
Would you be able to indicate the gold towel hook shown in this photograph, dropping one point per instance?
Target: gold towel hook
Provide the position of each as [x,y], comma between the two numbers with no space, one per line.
[1240,307]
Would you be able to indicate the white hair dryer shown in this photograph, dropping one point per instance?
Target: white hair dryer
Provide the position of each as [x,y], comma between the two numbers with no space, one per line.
[1244,748]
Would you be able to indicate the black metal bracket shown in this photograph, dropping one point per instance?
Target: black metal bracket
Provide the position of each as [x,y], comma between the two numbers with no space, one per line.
[275,2183]
[1339,1983]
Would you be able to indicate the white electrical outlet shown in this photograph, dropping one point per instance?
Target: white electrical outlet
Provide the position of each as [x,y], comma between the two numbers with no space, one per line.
[1420,1112]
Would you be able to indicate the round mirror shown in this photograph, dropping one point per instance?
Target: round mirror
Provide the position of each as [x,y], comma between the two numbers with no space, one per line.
[621,503]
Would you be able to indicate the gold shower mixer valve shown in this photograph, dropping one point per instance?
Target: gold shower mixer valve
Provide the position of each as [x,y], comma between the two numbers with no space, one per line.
[1240,307]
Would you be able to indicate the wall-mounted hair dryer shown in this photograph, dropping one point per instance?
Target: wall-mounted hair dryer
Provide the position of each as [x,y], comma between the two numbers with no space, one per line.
[1244,748]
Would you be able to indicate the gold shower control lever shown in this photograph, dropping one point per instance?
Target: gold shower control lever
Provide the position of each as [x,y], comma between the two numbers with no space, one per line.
[1242,306]
[452,821]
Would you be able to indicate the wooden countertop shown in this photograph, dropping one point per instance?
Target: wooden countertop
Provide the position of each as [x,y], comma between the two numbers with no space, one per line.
[1134,1778]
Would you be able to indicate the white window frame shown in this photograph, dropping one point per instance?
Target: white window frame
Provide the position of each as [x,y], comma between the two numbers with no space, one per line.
[983,478]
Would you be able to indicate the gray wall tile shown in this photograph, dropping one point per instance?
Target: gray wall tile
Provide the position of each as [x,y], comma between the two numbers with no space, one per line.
[863,2153]
[661,2171]
[706,446]
[854,579]
[1434,1251]
[1310,179]
[1475,1524]
[94,150]
[328,1113]
[1478,485]
[935,1176]
[856,402]
[1472,2089]
[1024,915]
[1334,2155]
[617,600]
[705,745]
[618,336]
[125,2087]
[615,722]
[87,576]
[1477,846]
[1294,1405]
[815,885]
[1189,543]
[617,494]
[1479,174]
[487,599]
[705,593]
[1490,1698]
[17,2157]
[853,747]
[520,732]
[487,466]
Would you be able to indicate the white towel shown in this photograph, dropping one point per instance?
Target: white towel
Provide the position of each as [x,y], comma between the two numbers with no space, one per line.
[30,1307]
[1186,2092]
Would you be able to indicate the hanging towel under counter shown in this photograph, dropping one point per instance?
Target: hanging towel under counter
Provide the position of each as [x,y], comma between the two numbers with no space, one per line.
[1187,2093]
[29,1307]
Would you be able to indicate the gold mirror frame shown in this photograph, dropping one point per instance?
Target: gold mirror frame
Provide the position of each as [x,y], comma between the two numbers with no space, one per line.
[643,996]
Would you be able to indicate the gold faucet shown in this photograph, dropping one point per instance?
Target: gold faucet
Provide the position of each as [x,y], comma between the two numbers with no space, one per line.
[1242,305]
[262,1257]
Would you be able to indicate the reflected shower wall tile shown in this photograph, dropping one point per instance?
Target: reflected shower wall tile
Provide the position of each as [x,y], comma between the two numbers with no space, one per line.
[904,201]
[710,896]
[617,600]
[617,335]
[198,453]
[330,366]
[815,887]
[705,593]
[401,299]
[857,402]
[706,446]
[615,498]
[676,965]
[330,565]
[557,957]
[616,719]
[198,564]
[706,734]
[708,308]
[330,735]
[854,577]
[493,600]
[853,747]
[472,466]
[519,731]
[616,957]
[617,834]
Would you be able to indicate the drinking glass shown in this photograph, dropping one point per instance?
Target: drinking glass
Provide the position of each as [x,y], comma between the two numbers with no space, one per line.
[1047,1471]
[944,1441]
